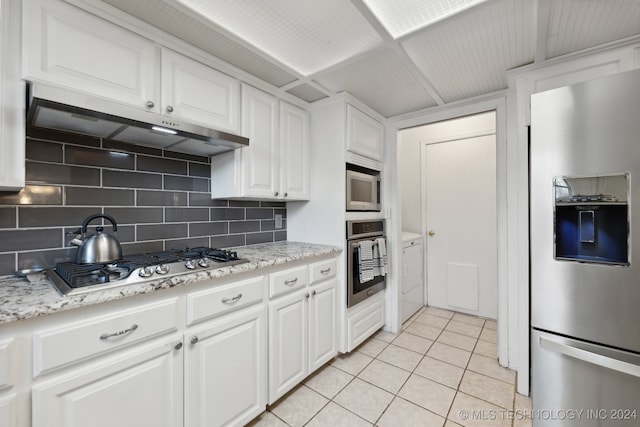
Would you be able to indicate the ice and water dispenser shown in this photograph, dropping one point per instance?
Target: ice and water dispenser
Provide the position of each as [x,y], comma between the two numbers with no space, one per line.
[592,219]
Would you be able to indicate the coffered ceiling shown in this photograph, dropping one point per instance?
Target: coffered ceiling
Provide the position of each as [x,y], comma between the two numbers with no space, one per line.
[396,56]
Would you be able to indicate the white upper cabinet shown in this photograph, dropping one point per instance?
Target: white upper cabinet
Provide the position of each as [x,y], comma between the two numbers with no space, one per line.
[365,135]
[260,162]
[73,48]
[198,93]
[275,165]
[294,152]
[12,149]
[69,47]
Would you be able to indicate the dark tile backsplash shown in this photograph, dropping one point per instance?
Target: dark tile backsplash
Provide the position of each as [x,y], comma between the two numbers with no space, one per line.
[160,200]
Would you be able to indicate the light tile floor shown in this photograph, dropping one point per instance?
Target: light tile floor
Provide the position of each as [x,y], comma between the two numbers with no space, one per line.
[440,371]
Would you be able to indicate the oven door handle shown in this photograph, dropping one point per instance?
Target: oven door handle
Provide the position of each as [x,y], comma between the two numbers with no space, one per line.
[591,357]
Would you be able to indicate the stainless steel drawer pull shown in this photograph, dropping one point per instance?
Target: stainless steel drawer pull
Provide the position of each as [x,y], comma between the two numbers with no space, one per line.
[232,300]
[122,332]
[326,270]
[590,357]
[291,282]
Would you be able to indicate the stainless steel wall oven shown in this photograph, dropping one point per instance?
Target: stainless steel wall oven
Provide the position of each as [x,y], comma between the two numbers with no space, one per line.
[366,259]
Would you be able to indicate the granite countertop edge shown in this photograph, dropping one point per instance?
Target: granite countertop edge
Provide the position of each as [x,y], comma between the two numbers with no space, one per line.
[22,299]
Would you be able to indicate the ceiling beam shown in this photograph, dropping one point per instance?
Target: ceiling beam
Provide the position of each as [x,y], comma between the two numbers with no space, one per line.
[541,28]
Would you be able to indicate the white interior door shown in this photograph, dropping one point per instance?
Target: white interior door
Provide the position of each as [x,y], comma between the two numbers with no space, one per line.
[460,196]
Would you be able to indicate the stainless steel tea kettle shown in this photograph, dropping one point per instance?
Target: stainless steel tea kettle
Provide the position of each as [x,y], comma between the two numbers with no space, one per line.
[99,248]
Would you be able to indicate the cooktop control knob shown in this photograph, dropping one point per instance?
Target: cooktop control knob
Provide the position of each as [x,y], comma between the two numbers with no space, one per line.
[146,272]
[162,269]
[203,262]
[190,264]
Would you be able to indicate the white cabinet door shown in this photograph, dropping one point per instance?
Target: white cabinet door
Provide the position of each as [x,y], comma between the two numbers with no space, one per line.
[287,343]
[294,152]
[12,148]
[226,372]
[70,47]
[365,135]
[260,162]
[138,388]
[323,315]
[198,93]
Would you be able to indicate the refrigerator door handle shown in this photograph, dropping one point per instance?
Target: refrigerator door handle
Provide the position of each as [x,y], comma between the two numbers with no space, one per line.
[590,357]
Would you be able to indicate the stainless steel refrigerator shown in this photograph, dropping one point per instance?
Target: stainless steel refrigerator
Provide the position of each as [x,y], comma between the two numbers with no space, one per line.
[585,253]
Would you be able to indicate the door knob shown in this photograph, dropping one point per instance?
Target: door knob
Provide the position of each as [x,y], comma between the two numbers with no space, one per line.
[431,233]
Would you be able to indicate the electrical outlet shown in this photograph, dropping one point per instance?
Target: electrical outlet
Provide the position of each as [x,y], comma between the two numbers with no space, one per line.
[278,220]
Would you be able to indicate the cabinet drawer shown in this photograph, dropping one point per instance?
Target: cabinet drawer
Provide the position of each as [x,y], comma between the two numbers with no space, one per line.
[287,280]
[223,299]
[362,323]
[60,346]
[322,270]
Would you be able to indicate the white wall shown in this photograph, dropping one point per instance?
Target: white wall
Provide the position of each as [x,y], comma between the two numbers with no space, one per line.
[409,159]
[410,179]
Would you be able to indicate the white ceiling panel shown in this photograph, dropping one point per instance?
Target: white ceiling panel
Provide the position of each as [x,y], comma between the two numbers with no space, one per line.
[307,92]
[381,81]
[306,35]
[164,16]
[401,17]
[468,55]
[579,24]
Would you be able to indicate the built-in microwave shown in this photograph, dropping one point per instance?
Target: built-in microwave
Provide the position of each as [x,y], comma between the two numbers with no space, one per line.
[363,189]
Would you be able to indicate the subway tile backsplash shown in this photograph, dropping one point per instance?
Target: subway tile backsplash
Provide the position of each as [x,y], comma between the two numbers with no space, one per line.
[160,200]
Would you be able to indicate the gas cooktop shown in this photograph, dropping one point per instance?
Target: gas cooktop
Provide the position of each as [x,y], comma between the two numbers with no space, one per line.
[71,278]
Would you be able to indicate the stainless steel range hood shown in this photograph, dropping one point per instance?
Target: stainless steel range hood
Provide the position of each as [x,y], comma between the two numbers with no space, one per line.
[64,109]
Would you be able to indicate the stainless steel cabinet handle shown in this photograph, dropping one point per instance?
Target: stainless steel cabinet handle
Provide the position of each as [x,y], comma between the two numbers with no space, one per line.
[589,357]
[325,271]
[232,300]
[178,346]
[150,104]
[286,194]
[291,282]
[276,193]
[169,109]
[194,339]
[307,295]
[122,332]
[313,293]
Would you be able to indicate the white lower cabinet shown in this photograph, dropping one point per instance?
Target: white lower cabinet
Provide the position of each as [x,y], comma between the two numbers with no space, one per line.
[323,317]
[287,343]
[142,387]
[226,370]
[302,335]
[215,355]
[364,319]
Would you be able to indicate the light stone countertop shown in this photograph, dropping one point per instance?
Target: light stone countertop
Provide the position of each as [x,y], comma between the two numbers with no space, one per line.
[21,299]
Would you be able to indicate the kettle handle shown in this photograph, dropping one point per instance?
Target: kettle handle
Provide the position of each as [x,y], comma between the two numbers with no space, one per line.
[87,220]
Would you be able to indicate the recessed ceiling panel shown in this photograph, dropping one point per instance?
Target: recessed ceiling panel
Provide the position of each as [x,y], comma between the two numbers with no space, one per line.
[307,92]
[579,24]
[401,17]
[163,16]
[469,54]
[382,81]
[306,35]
